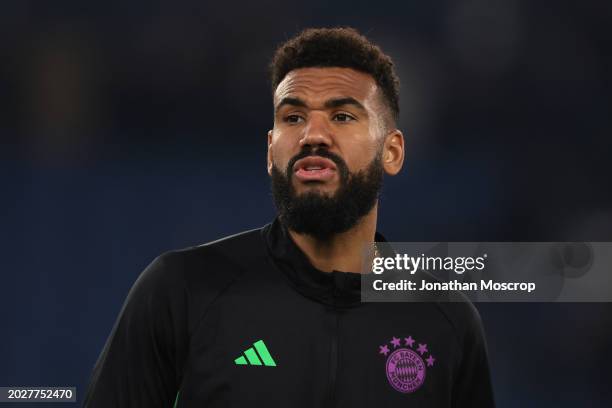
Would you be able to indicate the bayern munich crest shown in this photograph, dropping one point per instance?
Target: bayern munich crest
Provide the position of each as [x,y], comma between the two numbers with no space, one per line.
[406,365]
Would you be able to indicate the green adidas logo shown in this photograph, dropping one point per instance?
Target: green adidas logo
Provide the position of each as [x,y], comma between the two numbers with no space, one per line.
[254,357]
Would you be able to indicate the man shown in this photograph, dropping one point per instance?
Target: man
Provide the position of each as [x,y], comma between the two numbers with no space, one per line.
[272,317]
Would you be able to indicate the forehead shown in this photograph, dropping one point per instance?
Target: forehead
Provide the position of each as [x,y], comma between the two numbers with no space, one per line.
[319,84]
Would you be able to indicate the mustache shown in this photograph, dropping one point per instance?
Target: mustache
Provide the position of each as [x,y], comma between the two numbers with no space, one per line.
[341,164]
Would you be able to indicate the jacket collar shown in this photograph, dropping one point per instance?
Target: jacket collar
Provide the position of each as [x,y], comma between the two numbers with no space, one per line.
[335,288]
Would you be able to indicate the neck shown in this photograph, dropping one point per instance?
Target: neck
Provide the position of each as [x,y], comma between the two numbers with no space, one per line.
[342,252]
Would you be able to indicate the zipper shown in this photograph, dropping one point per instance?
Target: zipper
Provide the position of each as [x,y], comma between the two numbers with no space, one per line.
[333,356]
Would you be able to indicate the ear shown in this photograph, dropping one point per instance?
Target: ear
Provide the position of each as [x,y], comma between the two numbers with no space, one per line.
[393,152]
[269,152]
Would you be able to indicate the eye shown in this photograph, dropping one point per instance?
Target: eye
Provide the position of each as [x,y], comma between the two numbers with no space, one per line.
[343,117]
[293,119]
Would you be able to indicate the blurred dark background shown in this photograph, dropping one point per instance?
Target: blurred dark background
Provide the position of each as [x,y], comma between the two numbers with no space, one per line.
[132,127]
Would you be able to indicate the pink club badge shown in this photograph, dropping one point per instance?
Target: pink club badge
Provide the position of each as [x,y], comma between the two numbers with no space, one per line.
[406,365]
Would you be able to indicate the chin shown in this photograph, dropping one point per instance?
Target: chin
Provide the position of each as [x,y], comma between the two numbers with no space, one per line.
[316,188]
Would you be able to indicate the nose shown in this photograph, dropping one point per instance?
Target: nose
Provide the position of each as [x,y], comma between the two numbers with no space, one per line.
[317,132]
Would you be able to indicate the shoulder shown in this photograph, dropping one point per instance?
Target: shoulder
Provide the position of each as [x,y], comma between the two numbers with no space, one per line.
[229,254]
[456,308]
[195,276]
[221,259]
[463,317]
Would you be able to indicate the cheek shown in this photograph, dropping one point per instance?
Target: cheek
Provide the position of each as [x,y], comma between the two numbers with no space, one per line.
[282,151]
[358,156]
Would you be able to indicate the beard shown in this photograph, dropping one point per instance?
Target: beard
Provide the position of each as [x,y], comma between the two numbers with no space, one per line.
[323,215]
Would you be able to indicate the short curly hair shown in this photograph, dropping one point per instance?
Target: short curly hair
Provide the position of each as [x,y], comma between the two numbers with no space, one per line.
[337,47]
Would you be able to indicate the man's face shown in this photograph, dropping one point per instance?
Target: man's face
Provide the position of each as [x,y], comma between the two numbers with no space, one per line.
[334,109]
[325,151]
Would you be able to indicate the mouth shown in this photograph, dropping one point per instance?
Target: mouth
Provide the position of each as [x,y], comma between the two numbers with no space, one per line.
[314,168]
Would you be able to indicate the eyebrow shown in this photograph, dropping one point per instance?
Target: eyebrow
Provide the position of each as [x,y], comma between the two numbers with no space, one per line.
[329,104]
[292,102]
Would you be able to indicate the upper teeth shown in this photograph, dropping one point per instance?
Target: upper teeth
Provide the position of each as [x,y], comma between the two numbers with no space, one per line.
[313,168]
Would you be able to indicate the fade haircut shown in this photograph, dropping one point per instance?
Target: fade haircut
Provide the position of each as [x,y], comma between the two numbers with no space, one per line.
[340,47]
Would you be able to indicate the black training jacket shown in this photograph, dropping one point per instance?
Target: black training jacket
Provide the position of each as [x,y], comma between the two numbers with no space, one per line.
[247,321]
